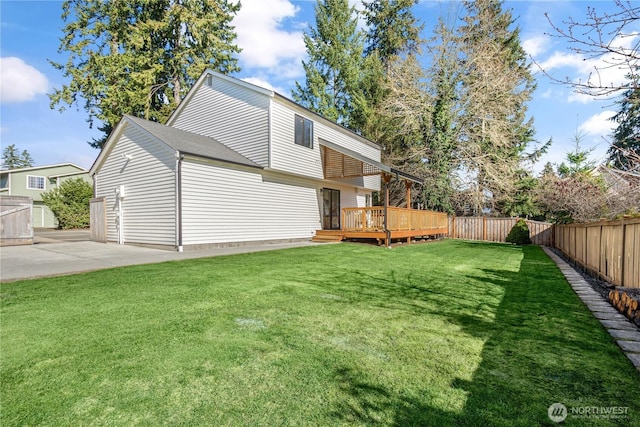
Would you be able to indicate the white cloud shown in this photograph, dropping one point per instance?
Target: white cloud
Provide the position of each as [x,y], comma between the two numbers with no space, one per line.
[536,45]
[264,41]
[20,81]
[598,125]
[259,82]
[547,94]
[607,70]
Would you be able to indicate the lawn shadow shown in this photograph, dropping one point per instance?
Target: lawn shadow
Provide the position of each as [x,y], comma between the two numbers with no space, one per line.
[542,346]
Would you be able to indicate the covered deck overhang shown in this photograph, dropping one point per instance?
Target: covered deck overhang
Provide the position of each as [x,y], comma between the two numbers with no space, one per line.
[382,223]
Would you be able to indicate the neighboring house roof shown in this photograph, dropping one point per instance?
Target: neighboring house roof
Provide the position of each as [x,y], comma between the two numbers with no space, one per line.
[182,141]
[35,168]
[616,177]
[62,175]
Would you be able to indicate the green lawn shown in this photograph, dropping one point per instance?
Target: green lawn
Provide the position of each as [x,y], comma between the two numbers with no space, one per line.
[446,333]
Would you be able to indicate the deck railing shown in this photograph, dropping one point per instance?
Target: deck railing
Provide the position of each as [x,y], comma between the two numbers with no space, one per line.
[399,219]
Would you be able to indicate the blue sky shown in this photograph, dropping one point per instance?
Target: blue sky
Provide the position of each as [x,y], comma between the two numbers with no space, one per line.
[270,34]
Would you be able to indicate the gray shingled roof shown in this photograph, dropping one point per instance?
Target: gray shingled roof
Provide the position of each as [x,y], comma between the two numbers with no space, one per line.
[191,143]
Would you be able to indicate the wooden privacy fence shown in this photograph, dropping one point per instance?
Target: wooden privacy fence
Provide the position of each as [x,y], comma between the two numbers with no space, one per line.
[610,249]
[98,219]
[496,229]
[16,220]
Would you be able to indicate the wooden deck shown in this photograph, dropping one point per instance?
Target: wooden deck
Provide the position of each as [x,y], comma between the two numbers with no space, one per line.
[402,223]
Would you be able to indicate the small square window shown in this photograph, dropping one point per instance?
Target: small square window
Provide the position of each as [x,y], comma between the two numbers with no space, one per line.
[304,132]
[35,182]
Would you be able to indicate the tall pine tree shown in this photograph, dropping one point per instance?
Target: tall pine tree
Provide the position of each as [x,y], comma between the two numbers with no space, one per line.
[140,57]
[441,139]
[395,93]
[625,151]
[334,68]
[13,159]
[393,28]
[496,86]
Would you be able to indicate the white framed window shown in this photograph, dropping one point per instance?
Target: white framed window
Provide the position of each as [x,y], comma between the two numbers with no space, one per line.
[303,132]
[35,182]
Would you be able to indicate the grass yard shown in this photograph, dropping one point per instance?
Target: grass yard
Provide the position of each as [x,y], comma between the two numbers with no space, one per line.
[449,333]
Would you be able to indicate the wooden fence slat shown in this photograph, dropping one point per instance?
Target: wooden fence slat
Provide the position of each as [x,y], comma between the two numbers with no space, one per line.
[609,249]
[497,229]
[16,220]
[98,219]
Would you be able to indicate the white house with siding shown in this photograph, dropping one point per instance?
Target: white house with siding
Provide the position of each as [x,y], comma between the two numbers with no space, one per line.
[235,163]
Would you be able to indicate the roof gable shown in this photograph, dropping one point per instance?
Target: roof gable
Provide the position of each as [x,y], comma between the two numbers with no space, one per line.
[39,168]
[183,142]
[207,74]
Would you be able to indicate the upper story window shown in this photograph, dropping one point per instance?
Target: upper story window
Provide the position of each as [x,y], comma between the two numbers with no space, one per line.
[304,131]
[35,182]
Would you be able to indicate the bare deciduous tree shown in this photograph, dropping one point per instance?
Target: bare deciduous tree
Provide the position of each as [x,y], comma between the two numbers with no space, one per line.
[577,198]
[496,86]
[611,38]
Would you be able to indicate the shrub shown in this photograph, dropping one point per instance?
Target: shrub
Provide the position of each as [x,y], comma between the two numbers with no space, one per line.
[70,203]
[519,233]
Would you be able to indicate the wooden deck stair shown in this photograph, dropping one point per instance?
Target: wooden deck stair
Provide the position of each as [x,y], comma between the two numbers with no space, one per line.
[327,236]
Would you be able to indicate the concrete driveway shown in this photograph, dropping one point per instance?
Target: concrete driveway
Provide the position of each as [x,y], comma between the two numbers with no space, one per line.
[58,253]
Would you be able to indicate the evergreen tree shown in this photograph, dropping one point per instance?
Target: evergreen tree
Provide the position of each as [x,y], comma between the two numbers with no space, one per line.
[393,29]
[442,136]
[334,69]
[523,200]
[70,203]
[393,33]
[140,57]
[12,159]
[626,137]
[578,161]
[519,233]
[26,159]
[496,86]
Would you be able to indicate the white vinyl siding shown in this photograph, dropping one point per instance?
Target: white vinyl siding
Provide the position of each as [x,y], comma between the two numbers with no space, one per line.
[232,114]
[149,205]
[223,205]
[286,155]
[290,157]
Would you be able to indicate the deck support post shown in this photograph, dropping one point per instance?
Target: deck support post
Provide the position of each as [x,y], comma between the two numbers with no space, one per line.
[385,179]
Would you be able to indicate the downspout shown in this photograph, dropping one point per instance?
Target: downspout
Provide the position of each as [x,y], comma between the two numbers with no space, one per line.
[120,216]
[179,159]
[270,132]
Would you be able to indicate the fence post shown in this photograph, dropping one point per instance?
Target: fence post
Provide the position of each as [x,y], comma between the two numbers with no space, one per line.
[586,246]
[600,261]
[484,228]
[452,233]
[623,254]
